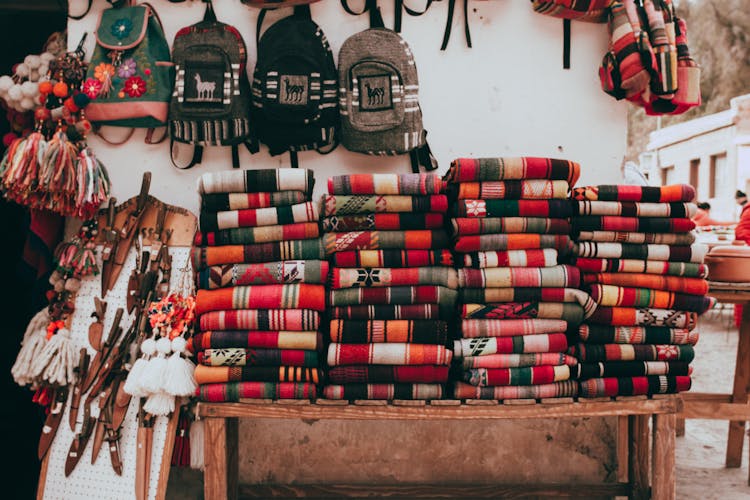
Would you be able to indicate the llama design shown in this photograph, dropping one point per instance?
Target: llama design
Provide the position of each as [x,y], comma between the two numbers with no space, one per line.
[293,91]
[375,92]
[205,90]
[375,96]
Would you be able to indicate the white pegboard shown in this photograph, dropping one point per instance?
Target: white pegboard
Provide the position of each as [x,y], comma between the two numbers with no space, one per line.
[99,481]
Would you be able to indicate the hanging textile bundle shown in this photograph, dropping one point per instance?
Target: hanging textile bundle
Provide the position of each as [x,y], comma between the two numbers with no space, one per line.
[31,346]
[57,360]
[57,174]
[93,182]
[21,165]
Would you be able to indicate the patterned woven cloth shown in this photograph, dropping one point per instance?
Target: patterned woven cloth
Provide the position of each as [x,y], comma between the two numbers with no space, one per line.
[203,257]
[539,189]
[261,319]
[636,209]
[634,386]
[237,356]
[602,334]
[572,313]
[494,242]
[346,331]
[646,316]
[632,352]
[386,276]
[567,388]
[612,295]
[637,238]
[474,328]
[388,354]
[363,374]
[498,169]
[409,311]
[692,286]
[511,208]
[499,277]
[518,360]
[294,296]
[423,294]
[383,391]
[220,202]
[632,369]
[491,296]
[544,257]
[529,375]
[649,194]
[392,258]
[222,374]
[463,226]
[554,342]
[419,184]
[694,253]
[253,217]
[383,222]
[257,181]
[285,339]
[237,391]
[631,224]
[254,235]
[685,269]
[367,204]
[266,273]
[415,239]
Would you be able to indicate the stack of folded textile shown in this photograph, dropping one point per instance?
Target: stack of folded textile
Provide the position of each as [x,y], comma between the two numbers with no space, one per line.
[393,287]
[511,230]
[261,276]
[639,263]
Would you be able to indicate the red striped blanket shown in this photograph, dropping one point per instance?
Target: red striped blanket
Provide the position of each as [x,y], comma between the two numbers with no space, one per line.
[499,277]
[693,286]
[365,204]
[529,375]
[637,238]
[603,334]
[595,265]
[363,374]
[511,208]
[568,388]
[255,235]
[612,295]
[423,294]
[257,181]
[388,354]
[632,369]
[384,276]
[285,339]
[475,328]
[251,217]
[395,330]
[520,241]
[634,386]
[203,257]
[571,313]
[237,356]
[392,258]
[693,253]
[646,316]
[493,296]
[220,202]
[539,189]
[383,391]
[419,184]
[463,226]
[498,169]
[294,296]
[415,239]
[518,360]
[544,257]
[554,342]
[223,374]
[383,222]
[261,319]
[387,311]
[632,352]
[649,194]
[633,224]
[266,273]
[237,391]
[636,209]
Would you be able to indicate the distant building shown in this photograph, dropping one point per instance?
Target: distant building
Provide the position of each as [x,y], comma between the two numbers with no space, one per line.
[711,153]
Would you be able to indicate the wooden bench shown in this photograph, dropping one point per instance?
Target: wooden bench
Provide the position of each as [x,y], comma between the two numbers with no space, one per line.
[221,443]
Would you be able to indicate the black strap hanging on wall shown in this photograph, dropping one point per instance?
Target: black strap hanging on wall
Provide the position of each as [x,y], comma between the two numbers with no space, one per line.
[449,24]
[566,43]
[210,15]
[401,6]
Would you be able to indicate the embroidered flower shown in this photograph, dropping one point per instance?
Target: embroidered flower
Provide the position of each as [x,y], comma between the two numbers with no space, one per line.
[104,72]
[668,352]
[126,68]
[121,28]
[91,87]
[135,86]
[476,208]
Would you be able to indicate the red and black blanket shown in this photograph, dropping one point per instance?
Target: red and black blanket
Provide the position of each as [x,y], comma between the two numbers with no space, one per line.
[567,388]
[498,169]
[383,391]
[261,319]
[388,311]
[604,334]
[364,374]
[347,331]
[632,352]
[418,184]
[392,258]
[634,386]
[236,392]
[383,222]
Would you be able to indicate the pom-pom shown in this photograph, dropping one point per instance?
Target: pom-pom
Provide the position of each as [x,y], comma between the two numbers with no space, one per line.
[59,286]
[152,380]
[29,89]
[9,138]
[179,344]
[83,127]
[22,70]
[81,100]
[6,83]
[180,378]
[71,105]
[15,92]
[134,382]
[159,404]
[27,103]
[32,61]
[60,89]
[148,347]
[46,57]
[72,285]
[42,114]
[163,346]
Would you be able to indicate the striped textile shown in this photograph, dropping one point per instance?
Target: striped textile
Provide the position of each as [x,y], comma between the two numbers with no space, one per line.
[294,296]
[612,295]
[567,388]
[386,276]
[415,239]
[223,374]
[631,224]
[464,226]
[498,169]
[492,296]
[401,295]
[623,67]
[637,238]
[387,311]
[203,257]
[237,356]
[522,344]
[388,354]
[520,241]
[518,360]
[363,374]
[572,313]
[557,276]
[632,369]
[475,328]
[417,184]
[255,235]
[383,222]
[257,181]
[544,257]
[266,273]
[528,375]
[252,217]
[636,209]
[235,392]
[392,258]
[632,352]
[694,253]
[533,189]
[511,208]
[634,386]
[595,11]
[602,334]
[261,319]
[284,339]
[596,265]
[220,202]
[346,331]
[365,204]
[646,316]
[693,286]
[649,194]
[383,391]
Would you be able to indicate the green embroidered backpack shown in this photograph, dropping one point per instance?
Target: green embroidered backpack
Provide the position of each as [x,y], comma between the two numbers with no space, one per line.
[130,77]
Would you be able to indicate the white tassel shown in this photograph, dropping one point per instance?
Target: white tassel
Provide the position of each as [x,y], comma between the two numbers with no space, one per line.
[180,379]
[196,445]
[31,346]
[159,404]
[56,363]
[155,370]
[134,382]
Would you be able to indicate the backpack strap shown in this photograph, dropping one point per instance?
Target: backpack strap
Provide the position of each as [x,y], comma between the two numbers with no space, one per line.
[566,43]
[150,136]
[294,159]
[349,10]
[302,11]
[196,159]
[371,6]
[449,23]
[401,5]
[423,156]
[97,131]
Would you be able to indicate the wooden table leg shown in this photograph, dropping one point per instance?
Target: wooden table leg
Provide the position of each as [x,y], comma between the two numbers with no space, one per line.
[221,464]
[623,440]
[638,456]
[680,427]
[663,469]
[736,437]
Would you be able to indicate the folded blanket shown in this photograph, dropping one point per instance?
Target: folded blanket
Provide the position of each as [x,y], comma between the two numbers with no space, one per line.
[387,311]
[544,257]
[646,316]
[650,194]
[220,202]
[498,169]
[612,295]
[257,181]
[552,342]
[632,352]
[223,374]
[539,189]
[632,224]
[557,276]
[261,319]
[484,242]
[511,208]
[693,253]
[602,334]
[253,217]
[383,391]
[420,184]
[266,273]
[392,258]
[491,296]
[529,375]
[636,209]
[518,360]
[294,296]
[692,286]
[401,295]
[686,269]
[365,204]
[386,276]
[203,257]
[565,389]
[388,354]
[415,239]
[463,226]
[571,313]
[363,374]
[284,339]
[349,331]
[634,386]
[383,222]
[632,369]
[262,234]
[237,356]
[237,391]
[475,328]
[637,238]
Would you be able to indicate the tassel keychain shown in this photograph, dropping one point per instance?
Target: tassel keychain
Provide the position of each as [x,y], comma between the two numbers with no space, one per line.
[159,402]
[57,360]
[93,182]
[31,346]
[134,382]
[21,165]
[57,175]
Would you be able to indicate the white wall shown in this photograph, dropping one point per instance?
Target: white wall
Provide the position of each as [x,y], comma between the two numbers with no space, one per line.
[507,96]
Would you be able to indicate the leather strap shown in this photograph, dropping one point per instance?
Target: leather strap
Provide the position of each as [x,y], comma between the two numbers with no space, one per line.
[150,136]
[449,23]
[196,159]
[97,131]
[349,10]
[566,43]
[78,17]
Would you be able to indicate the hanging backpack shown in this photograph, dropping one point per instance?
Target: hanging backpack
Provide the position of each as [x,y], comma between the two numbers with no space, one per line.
[379,101]
[211,99]
[294,103]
